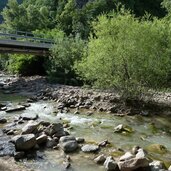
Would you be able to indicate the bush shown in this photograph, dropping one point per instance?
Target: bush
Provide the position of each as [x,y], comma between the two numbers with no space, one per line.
[26,65]
[3,61]
[65,53]
[127,53]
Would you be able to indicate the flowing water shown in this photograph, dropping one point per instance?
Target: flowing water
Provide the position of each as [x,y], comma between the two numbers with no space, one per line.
[95,128]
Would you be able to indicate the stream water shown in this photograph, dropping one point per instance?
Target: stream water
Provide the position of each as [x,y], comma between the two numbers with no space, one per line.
[95,128]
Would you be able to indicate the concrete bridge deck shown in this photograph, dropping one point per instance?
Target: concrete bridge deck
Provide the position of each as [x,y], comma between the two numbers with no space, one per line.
[24,44]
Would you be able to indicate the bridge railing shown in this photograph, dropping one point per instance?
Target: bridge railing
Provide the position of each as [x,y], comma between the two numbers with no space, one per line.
[23,36]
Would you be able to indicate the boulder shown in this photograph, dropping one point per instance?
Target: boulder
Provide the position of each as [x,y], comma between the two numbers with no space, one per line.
[90,148]
[29,116]
[68,143]
[132,164]
[41,139]
[55,128]
[30,127]
[24,142]
[100,159]
[110,164]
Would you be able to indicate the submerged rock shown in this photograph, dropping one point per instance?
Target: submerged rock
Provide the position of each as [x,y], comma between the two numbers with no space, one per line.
[24,142]
[68,143]
[14,109]
[157,148]
[29,116]
[123,128]
[90,148]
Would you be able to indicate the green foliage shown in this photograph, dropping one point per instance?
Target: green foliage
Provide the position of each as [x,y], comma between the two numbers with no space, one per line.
[49,33]
[3,61]
[127,54]
[25,64]
[64,54]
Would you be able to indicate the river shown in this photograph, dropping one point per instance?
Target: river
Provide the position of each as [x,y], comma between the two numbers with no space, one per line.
[95,128]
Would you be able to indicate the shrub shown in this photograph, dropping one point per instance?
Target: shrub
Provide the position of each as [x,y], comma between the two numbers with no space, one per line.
[127,53]
[65,53]
[25,64]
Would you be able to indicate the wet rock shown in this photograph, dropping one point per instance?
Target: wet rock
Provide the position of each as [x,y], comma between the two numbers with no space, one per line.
[104,143]
[90,148]
[50,143]
[19,155]
[24,142]
[100,159]
[135,150]
[55,128]
[156,166]
[157,148]
[10,132]
[14,109]
[68,143]
[3,120]
[80,140]
[132,164]
[45,123]
[30,127]
[123,128]
[6,148]
[126,156]
[29,116]
[41,139]
[141,153]
[110,164]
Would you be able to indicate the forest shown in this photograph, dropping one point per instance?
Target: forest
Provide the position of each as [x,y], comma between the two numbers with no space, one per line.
[121,44]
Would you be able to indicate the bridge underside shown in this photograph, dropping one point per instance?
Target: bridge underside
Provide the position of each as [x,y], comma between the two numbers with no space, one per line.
[18,47]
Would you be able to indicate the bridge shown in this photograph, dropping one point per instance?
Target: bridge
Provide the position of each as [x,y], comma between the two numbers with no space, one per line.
[24,43]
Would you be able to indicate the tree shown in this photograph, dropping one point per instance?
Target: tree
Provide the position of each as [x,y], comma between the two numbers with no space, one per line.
[127,54]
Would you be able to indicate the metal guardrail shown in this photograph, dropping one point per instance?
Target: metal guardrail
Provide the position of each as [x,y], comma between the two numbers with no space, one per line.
[23,36]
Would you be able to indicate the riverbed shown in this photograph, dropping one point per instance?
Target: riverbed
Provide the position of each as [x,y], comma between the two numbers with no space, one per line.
[153,129]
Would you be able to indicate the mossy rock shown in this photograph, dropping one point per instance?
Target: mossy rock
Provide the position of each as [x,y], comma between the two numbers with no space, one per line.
[116,153]
[157,148]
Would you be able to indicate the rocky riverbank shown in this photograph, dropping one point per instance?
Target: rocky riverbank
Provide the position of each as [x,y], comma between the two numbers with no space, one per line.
[24,136]
[77,99]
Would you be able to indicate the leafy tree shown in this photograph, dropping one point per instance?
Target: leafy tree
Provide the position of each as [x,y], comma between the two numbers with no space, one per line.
[127,54]
[65,53]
